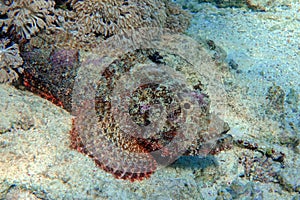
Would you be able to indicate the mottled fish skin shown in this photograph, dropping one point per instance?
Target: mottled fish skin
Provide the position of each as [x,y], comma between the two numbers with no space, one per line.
[132,156]
[99,126]
[134,166]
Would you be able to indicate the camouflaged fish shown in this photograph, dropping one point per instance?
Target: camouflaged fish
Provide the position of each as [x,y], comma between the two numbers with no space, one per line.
[145,108]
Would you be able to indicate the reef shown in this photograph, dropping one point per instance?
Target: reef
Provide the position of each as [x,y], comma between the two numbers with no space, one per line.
[48,24]
[23,19]
[10,61]
[79,23]
[140,97]
[108,18]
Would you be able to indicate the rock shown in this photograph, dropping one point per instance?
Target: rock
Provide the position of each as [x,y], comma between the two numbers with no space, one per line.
[289,179]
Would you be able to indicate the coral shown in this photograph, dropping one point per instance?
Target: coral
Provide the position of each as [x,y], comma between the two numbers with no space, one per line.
[10,61]
[85,24]
[25,18]
[89,20]
[108,17]
[177,19]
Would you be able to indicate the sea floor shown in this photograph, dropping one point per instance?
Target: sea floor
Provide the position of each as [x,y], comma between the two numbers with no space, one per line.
[262,84]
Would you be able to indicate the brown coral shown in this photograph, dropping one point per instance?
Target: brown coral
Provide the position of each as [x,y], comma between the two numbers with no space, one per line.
[177,19]
[109,17]
[25,18]
[9,60]
[88,20]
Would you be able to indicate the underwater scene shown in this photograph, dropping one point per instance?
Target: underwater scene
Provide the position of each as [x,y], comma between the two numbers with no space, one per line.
[149,99]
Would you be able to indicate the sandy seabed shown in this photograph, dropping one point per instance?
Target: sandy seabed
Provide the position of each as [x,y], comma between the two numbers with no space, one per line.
[37,163]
